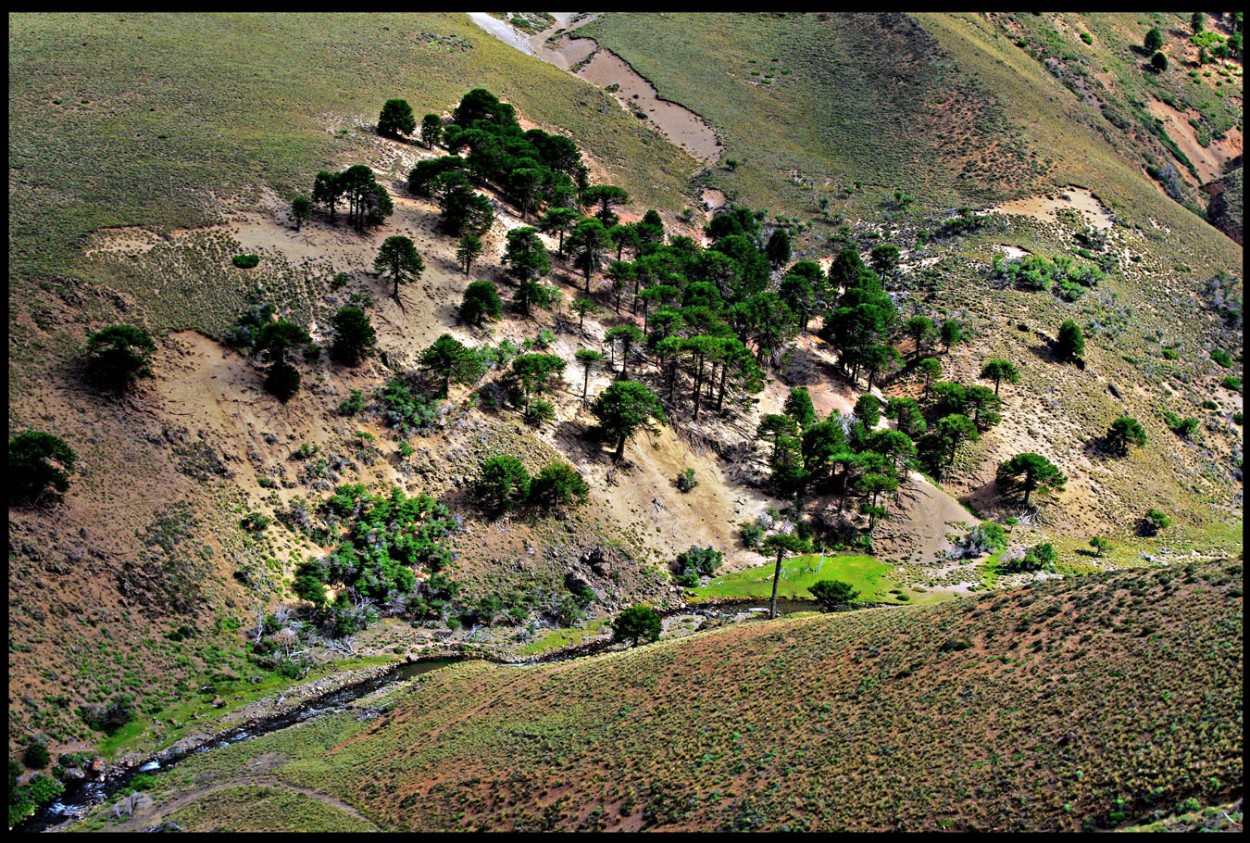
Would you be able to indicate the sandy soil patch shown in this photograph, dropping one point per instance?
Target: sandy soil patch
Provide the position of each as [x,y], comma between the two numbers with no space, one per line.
[1045,207]
[1207,160]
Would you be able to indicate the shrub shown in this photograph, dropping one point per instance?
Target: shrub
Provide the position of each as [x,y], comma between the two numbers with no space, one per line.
[1208,404]
[984,538]
[636,624]
[282,382]
[560,485]
[353,404]
[1233,383]
[539,412]
[832,594]
[698,561]
[1100,545]
[1154,521]
[245,261]
[405,411]
[1040,557]
[1125,431]
[119,355]
[503,483]
[1087,38]
[1221,357]
[751,534]
[1181,427]
[686,481]
[1159,62]
[109,718]
[38,463]
[36,755]
[1171,354]
[354,336]
[1071,343]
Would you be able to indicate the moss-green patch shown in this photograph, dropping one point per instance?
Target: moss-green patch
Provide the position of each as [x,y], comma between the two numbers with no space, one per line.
[557,638]
[798,574]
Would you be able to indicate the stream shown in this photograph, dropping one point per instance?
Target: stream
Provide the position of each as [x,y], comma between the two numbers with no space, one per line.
[584,58]
[80,797]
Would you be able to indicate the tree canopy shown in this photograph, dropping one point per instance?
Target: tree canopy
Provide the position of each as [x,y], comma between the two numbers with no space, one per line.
[1031,472]
[396,118]
[40,465]
[623,408]
[119,355]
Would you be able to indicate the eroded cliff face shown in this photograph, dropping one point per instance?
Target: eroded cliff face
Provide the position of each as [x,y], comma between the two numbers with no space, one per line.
[1224,209]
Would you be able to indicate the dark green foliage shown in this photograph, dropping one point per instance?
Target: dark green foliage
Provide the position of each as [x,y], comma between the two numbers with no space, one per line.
[396,118]
[109,718]
[398,258]
[778,248]
[588,359]
[623,408]
[462,210]
[884,258]
[405,411]
[25,799]
[1221,357]
[1100,545]
[1183,428]
[751,534]
[1063,275]
[503,484]
[423,179]
[539,412]
[467,251]
[1159,62]
[922,332]
[532,294]
[449,361]
[1031,472]
[537,373]
[607,197]
[118,356]
[1154,40]
[282,381]
[560,485]
[525,255]
[481,301]
[588,242]
[906,412]
[431,130]
[301,209]
[1040,557]
[999,371]
[1231,382]
[353,404]
[354,337]
[1125,431]
[1071,342]
[799,407]
[637,624]
[868,410]
[1154,521]
[39,465]
[833,594]
[368,203]
[36,755]
[381,539]
[948,434]
[245,261]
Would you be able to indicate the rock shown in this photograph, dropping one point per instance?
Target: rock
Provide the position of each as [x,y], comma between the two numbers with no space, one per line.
[218,702]
[73,774]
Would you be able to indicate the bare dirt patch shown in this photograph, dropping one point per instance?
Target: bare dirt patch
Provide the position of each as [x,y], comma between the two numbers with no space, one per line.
[1207,160]
[1045,207]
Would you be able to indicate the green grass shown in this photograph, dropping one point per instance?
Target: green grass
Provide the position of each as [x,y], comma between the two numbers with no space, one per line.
[158,112]
[557,638]
[265,809]
[930,717]
[799,573]
[833,116]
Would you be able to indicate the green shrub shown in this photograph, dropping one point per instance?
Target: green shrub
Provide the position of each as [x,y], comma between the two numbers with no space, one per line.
[1208,404]
[1087,38]
[36,755]
[1171,354]
[636,624]
[39,464]
[1231,382]
[686,481]
[1221,357]
[503,483]
[831,594]
[1154,521]
[245,261]
[559,485]
[405,411]
[700,561]
[539,412]
[353,404]
[751,534]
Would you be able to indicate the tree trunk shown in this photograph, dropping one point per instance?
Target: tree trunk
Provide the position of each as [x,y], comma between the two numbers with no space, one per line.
[585,386]
[720,398]
[772,609]
[698,388]
[620,449]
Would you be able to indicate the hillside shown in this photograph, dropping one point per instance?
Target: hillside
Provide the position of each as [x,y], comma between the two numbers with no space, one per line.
[884,176]
[1064,706]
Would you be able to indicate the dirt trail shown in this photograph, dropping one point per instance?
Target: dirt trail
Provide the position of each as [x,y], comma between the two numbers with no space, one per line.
[607,70]
[148,813]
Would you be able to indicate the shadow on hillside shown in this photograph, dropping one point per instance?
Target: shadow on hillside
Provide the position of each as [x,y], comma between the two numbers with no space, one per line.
[807,368]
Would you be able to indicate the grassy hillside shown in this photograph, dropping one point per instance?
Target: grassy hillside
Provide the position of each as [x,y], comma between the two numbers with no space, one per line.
[1065,706]
[811,104]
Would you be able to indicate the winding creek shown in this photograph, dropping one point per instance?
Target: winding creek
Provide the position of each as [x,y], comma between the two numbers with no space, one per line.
[80,797]
[584,58]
